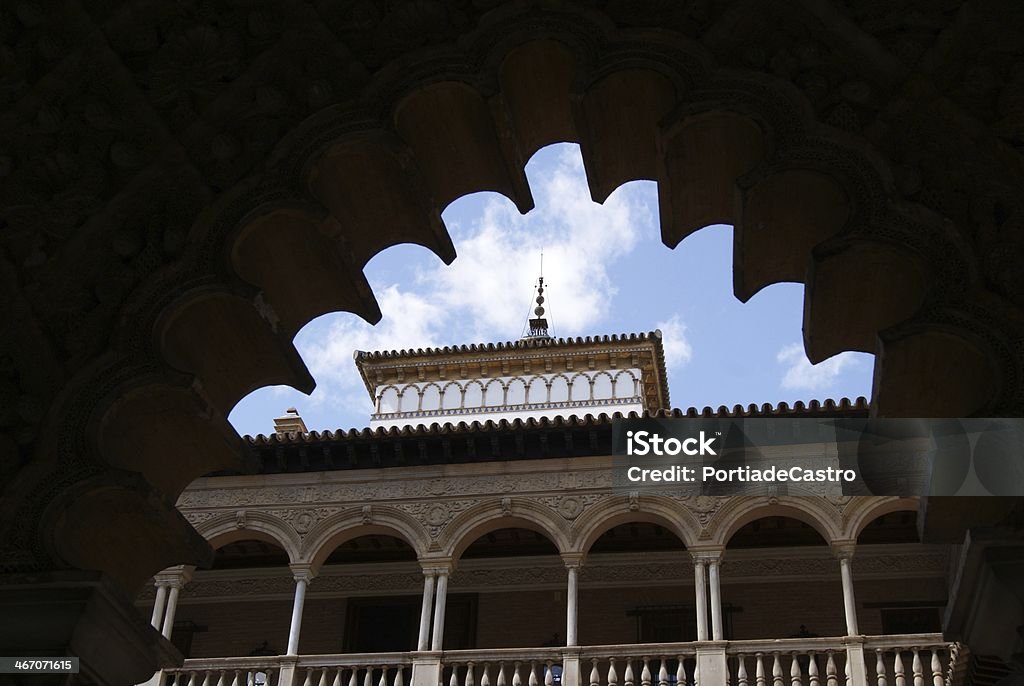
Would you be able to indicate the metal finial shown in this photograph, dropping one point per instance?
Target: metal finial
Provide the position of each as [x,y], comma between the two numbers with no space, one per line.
[538,325]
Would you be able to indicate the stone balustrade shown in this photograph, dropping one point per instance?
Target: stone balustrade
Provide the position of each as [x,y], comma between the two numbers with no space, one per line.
[897,660]
[358,669]
[228,671]
[850,661]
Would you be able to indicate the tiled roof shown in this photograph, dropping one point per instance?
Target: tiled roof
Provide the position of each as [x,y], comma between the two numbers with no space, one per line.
[814,408]
[508,345]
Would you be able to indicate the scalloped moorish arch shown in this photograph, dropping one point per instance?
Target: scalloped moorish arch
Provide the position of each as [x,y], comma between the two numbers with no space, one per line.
[725,143]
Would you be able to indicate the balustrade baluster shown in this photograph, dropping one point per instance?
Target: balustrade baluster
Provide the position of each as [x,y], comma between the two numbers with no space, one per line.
[898,671]
[645,673]
[399,679]
[796,677]
[846,670]
[696,674]
[532,681]
[454,680]
[237,681]
[830,670]
[918,669]
[352,679]
[549,678]
[470,678]
[812,670]
[323,677]
[485,678]
[627,676]
[880,678]
[501,674]
[741,669]
[777,671]
[223,680]
[595,676]
[383,676]
[309,678]
[516,679]
[759,679]
[368,677]
[613,675]
[662,672]
[337,678]
[938,679]
[206,679]
[680,671]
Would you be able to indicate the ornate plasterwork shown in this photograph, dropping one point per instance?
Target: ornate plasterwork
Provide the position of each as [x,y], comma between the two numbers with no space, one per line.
[569,506]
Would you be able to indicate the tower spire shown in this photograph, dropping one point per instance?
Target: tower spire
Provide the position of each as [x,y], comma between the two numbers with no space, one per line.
[538,323]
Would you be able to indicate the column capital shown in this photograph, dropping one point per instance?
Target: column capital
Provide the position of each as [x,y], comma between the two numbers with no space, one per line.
[573,560]
[302,571]
[843,550]
[707,554]
[437,566]
[174,577]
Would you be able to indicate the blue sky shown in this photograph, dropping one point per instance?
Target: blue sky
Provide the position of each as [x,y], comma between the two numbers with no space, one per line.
[607,271]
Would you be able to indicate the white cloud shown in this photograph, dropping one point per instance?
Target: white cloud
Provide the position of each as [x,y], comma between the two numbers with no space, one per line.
[409,320]
[487,293]
[498,259]
[801,375]
[678,350]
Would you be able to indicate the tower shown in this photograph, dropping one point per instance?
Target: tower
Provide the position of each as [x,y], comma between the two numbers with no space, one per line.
[530,378]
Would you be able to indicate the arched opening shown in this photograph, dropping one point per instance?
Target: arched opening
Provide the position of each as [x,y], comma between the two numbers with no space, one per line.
[769,564]
[239,605]
[658,609]
[508,592]
[364,598]
[911,603]
[446,139]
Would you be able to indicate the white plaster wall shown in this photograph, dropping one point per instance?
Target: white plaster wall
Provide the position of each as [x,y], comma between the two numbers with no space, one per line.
[509,397]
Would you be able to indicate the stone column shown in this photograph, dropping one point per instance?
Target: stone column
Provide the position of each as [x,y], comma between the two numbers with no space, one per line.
[844,551]
[303,574]
[701,593]
[428,601]
[714,565]
[173,580]
[572,565]
[158,605]
[441,598]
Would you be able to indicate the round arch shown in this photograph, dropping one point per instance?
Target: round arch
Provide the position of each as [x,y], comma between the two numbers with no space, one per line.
[652,509]
[489,516]
[816,513]
[864,510]
[331,532]
[227,528]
